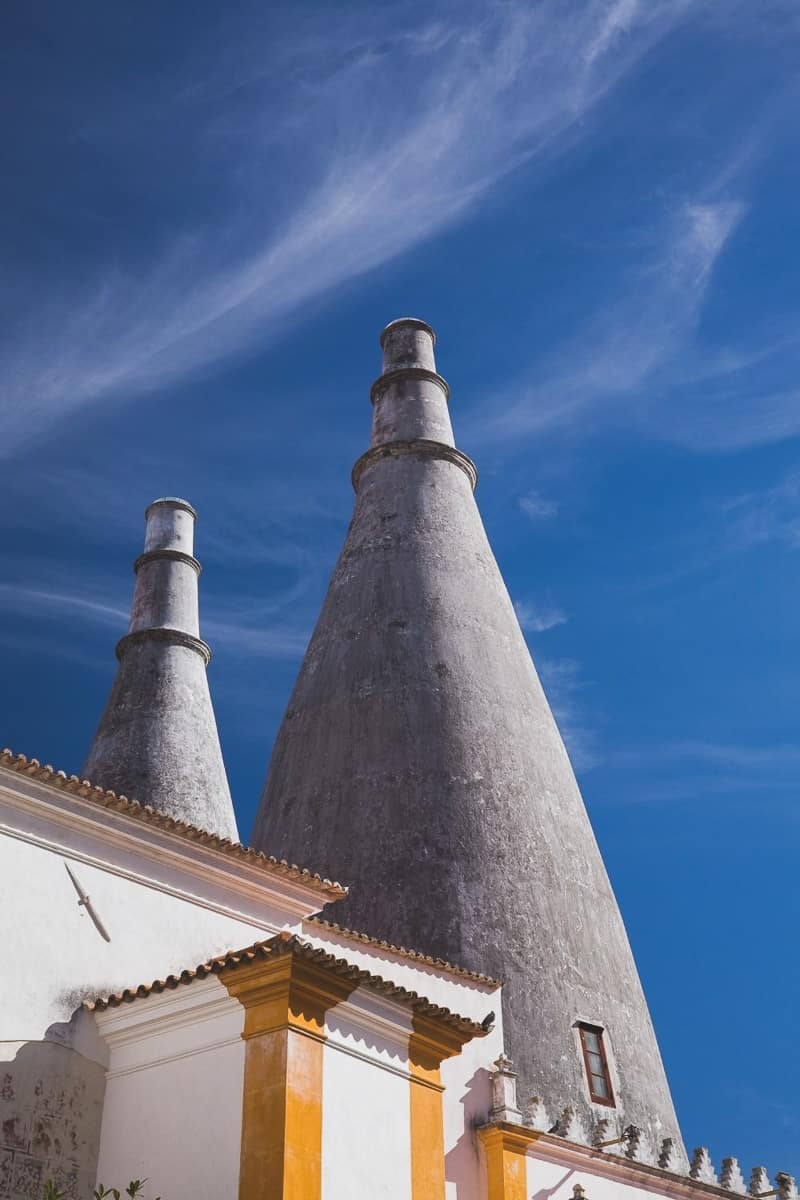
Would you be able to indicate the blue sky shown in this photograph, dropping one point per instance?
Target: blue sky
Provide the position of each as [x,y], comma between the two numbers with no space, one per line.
[208,215]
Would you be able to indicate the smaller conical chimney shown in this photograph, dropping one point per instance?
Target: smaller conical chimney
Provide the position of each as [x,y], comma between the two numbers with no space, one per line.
[157,741]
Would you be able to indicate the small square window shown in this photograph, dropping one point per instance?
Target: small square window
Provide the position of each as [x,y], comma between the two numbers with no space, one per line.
[596,1064]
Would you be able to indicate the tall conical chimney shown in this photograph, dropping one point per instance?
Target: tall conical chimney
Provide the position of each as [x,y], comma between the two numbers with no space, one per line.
[157,741]
[419,761]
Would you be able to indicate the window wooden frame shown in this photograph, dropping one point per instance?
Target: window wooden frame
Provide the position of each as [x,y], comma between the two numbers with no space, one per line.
[583,1028]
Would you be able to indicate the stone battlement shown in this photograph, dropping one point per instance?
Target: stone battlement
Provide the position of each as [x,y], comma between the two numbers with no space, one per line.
[630,1142]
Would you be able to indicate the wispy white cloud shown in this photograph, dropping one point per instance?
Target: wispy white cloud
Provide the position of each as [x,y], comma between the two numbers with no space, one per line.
[695,771]
[24,599]
[772,515]
[735,756]
[619,18]
[536,506]
[254,632]
[538,618]
[635,337]
[495,85]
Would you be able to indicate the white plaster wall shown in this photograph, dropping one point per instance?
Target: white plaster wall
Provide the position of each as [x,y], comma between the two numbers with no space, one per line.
[64,957]
[467,1096]
[173,1105]
[366,1143]
[366,1098]
[467,1101]
[168,903]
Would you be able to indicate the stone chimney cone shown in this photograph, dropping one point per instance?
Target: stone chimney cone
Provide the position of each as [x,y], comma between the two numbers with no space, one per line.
[419,760]
[157,740]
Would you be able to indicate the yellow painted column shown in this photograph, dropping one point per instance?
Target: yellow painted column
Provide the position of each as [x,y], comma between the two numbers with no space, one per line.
[285,999]
[430,1043]
[505,1163]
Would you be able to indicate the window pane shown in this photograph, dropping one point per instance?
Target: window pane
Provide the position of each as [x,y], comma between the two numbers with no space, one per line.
[595,1063]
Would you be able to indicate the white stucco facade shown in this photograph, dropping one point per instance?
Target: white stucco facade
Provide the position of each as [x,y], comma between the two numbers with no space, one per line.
[166,901]
[152,1082]
[173,1102]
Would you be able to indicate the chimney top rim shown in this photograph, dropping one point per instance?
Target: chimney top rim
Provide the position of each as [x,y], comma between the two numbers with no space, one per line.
[173,502]
[414,322]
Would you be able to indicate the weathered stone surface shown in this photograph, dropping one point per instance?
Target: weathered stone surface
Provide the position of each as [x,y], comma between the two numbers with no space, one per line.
[51,1102]
[419,762]
[157,741]
[504,1092]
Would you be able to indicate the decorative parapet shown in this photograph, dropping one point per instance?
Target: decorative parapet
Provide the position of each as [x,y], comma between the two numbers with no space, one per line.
[669,1156]
[759,1183]
[702,1168]
[536,1116]
[570,1126]
[605,1133]
[631,1144]
[633,1141]
[787,1186]
[506,1143]
[504,1092]
[731,1178]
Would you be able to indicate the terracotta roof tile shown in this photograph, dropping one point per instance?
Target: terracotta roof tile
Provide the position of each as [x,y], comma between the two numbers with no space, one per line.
[288,943]
[143,812]
[441,964]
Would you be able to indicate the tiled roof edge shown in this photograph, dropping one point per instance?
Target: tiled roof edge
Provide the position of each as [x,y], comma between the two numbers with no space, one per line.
[441,964]
[143,812]
[288,943]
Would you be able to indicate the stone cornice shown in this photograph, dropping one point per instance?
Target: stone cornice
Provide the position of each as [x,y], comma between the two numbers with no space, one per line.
[421,448]
[170,555]
[169,1027]
[174,637]
[284,991]
[439,1030]
[160,1013]
[404,374]
[431,1042]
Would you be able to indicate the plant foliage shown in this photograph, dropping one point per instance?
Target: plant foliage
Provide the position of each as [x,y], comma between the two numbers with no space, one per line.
[134,1188]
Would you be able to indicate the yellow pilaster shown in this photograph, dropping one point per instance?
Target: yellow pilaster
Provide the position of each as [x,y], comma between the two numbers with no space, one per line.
[430,1043]
[505,1163]
[285,1000]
